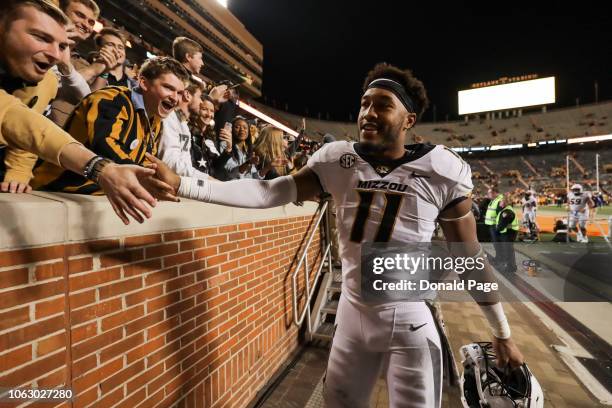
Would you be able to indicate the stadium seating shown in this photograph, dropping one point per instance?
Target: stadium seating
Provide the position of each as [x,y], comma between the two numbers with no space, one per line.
[587,120]
[541,168]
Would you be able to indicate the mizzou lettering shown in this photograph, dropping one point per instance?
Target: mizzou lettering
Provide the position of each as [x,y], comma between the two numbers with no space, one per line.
[381,185]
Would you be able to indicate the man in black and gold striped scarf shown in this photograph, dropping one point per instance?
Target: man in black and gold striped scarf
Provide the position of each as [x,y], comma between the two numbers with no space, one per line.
[119,124]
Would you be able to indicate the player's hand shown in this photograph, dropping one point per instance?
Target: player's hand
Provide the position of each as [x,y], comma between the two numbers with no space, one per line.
[164,173]
[507,353]
[15,187]
[123,187]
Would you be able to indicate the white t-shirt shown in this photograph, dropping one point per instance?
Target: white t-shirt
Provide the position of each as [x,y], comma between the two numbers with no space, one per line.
[410,193]
[175,146]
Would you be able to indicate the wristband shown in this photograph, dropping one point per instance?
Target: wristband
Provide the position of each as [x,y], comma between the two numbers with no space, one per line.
[87,171]
[94,168]
[497,320]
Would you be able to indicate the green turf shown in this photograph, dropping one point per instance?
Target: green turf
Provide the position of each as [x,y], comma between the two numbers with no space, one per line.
[553,208]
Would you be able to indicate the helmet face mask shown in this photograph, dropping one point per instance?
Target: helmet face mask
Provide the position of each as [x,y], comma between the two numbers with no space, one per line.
[577,189]
[484,385]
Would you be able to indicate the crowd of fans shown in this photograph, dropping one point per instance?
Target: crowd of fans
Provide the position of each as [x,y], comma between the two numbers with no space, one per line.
[83,122]
[83,114]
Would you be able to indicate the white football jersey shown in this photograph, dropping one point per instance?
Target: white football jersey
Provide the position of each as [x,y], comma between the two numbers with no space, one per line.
[577,201]
[395,201]
[529,205]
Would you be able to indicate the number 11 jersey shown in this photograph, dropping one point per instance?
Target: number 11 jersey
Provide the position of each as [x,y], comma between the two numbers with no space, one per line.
[387,201]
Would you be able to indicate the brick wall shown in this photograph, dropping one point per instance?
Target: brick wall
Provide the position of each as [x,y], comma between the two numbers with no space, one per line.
[194,318]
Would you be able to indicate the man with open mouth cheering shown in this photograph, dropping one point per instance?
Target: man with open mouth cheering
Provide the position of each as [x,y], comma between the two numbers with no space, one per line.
[119,124]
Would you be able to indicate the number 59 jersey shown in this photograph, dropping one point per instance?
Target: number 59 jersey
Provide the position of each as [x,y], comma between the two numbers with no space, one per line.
[387,201]
[578,203]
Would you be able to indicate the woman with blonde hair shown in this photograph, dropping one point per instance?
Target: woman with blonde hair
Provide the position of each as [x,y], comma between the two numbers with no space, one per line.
[271,148]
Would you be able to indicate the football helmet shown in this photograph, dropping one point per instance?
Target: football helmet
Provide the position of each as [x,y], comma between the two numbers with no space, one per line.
[577,189]
[485,385]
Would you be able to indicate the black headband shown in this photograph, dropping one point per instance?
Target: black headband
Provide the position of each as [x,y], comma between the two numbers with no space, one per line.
[397,89]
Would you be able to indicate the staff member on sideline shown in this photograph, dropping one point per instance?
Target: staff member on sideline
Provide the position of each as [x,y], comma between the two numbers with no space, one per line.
[491,221]
[507,227]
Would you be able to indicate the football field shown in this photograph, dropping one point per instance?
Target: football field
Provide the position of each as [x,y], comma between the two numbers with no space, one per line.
[548,215]
[553,209]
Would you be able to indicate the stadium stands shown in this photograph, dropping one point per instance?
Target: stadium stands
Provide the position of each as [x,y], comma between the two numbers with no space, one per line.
[541,168]
[587,120]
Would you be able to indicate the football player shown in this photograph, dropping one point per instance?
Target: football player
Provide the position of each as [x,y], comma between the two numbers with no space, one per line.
[384,191]
[579,203]
[529,205]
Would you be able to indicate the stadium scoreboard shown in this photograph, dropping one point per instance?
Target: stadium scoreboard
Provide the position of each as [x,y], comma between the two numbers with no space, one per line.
[506,96]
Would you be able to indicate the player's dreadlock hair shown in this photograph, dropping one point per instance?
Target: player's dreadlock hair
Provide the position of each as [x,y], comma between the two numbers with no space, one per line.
[414,88]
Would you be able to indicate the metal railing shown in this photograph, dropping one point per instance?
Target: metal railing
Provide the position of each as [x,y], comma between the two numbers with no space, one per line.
[298,318]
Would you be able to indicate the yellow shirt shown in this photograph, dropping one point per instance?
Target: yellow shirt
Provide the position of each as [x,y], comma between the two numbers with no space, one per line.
[19,162]
[24,128]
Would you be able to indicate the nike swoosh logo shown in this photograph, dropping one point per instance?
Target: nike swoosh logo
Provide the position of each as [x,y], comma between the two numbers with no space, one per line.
[415,328]
[419,175]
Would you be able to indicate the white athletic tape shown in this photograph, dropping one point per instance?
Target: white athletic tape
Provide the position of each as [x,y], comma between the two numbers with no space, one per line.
[497,320]
[243,193]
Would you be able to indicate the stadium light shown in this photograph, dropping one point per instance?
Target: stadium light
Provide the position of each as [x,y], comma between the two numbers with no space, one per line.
[266,118]
[589,139]
[508,96]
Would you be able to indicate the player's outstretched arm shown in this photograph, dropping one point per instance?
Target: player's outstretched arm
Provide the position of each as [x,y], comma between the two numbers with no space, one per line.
[244,193]
[127,187]
[459,228]
[307,183]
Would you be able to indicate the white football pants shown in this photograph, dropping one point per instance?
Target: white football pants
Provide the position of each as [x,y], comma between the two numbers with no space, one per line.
[402,343]
[579,218]
[529,216]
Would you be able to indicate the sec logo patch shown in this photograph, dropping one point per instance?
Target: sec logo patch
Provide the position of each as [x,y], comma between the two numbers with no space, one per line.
[347,160]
